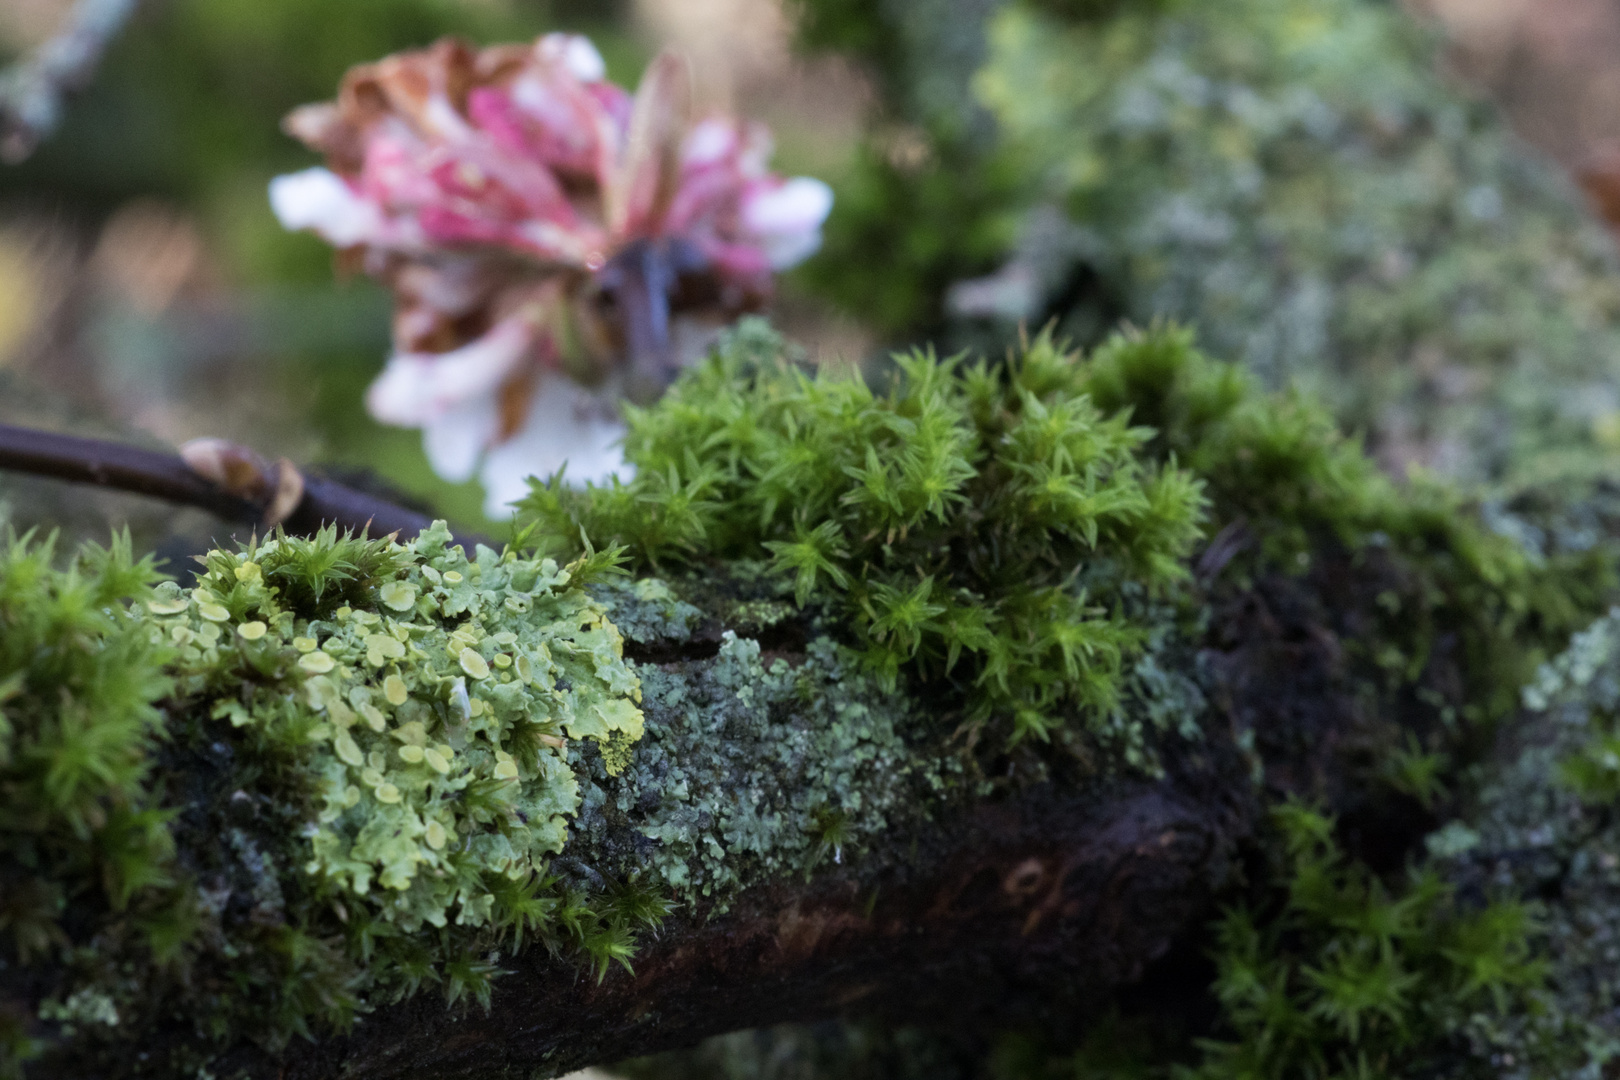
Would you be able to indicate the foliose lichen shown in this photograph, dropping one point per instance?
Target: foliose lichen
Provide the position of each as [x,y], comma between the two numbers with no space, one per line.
[438,720]
[376,745]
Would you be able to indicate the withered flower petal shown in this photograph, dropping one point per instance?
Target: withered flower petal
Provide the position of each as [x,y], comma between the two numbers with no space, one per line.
[543,231]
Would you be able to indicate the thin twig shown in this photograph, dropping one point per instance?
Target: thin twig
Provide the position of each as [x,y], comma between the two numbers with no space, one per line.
[34,91]
[228,481]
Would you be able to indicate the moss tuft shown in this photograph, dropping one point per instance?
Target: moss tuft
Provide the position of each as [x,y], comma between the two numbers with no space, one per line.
[972,525]
[1350,978]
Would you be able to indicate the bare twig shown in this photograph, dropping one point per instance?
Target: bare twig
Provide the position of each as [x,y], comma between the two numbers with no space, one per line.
[33,92]
[227,480]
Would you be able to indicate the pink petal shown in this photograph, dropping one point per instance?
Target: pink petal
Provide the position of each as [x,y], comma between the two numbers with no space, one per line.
[639,189]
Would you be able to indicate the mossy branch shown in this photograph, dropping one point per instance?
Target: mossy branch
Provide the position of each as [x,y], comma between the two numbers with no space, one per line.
[343,787]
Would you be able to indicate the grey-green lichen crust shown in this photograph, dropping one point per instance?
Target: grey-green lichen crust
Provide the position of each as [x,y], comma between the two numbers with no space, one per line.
[754,766]
[1545,829]
[757,767]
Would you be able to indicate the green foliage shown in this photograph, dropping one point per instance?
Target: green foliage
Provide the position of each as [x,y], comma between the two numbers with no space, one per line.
[853,27]
[972,524]
[1348,977]
[924,203]
[887,215]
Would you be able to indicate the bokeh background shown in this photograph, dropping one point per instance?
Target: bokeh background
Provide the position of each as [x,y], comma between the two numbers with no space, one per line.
[147,292]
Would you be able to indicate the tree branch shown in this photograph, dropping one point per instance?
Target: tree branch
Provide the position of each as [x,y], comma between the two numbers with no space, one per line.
[1038,904]
[226,480]
[34,91]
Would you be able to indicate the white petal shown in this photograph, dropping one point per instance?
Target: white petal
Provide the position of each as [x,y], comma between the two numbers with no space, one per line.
[577,54]
[565,424]
[416,388]
[788,219]
[318,199]
[709,141]
[790,249]
[798,205]
[455,438]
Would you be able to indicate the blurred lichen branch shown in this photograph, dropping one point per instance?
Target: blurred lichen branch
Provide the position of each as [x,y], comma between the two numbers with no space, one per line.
[553,242]
[34,91]
[215,475]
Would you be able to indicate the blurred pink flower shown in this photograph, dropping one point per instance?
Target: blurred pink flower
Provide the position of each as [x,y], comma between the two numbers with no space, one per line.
[549,239]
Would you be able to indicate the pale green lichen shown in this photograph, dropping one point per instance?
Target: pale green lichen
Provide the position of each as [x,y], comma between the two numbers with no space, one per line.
[437,725]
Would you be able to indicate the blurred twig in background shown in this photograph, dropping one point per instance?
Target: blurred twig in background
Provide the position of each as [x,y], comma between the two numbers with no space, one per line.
[224,478]
[33,92]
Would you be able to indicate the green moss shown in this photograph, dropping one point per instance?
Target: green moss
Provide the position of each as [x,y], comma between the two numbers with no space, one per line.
[1286,487]
[972,525]
[1351,978]
[79,820]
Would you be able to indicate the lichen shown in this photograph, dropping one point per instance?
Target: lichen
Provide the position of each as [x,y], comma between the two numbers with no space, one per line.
[1545,828]
[374,742]
[750,760]
[437,718]
[646,610]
